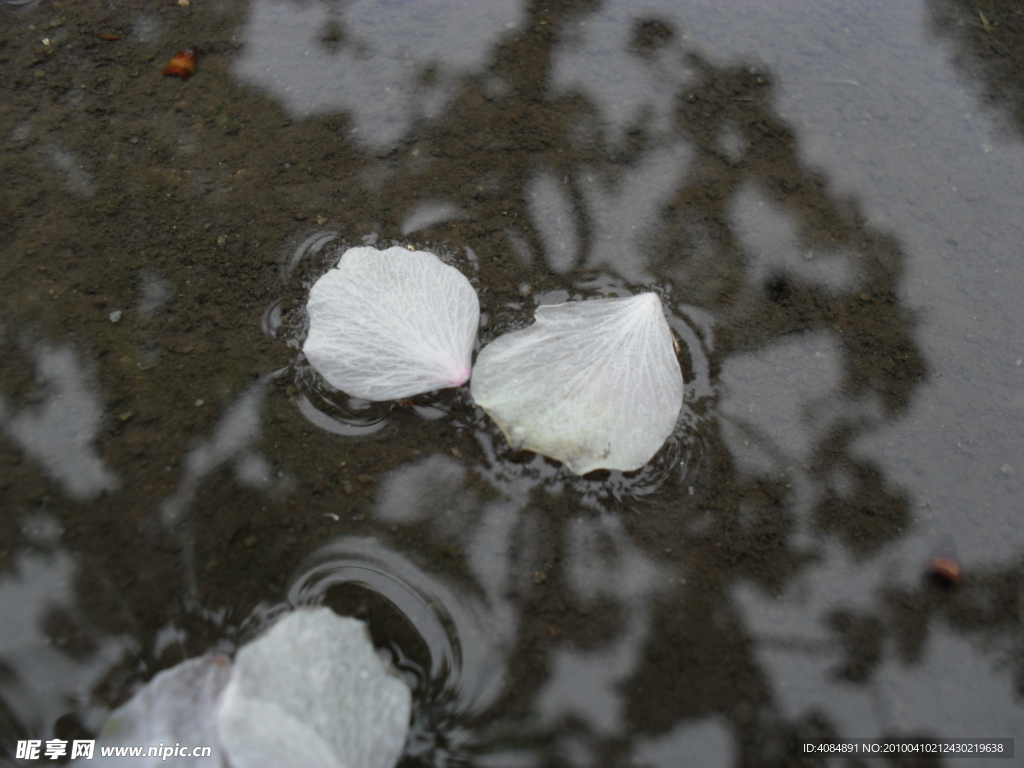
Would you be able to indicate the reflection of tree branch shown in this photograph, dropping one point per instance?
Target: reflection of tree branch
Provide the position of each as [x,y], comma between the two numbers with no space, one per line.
[868,514]
[988,605]
[481,154]
[875,329]
[988,40]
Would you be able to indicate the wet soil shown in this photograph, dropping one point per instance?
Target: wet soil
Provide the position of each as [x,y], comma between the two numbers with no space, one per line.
[115,178]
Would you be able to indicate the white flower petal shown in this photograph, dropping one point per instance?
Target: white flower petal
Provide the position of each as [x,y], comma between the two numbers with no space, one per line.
[175,707]
[391,324]
[594,384]
[313,692]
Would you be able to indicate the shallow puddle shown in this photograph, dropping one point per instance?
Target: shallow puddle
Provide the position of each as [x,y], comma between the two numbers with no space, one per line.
[825,198]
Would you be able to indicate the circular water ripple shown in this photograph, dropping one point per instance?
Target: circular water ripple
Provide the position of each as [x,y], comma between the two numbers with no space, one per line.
[19,5]
[285,319]
[332,410]
[681,457]
[445,641]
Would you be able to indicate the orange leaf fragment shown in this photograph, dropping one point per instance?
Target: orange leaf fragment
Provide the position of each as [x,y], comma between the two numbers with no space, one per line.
[183,64]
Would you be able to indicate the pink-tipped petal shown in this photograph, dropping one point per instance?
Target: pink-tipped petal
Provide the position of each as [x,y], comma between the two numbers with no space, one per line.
[385,325]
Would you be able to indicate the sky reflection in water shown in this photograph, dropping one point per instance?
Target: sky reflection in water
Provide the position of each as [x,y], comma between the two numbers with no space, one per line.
[830,218]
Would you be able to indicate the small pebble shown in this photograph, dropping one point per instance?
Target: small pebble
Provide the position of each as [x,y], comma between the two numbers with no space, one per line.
[115,316]
[944,572]
[199,401]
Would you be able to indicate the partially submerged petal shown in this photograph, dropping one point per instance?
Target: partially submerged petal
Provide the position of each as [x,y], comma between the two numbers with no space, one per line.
[594,384]
[177,706]
[314,692]
[390,324]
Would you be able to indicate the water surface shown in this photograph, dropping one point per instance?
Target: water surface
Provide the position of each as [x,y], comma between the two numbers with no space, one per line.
[826,198]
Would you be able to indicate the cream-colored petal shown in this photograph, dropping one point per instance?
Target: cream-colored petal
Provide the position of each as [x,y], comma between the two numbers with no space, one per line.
[390,324]
[593,384]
